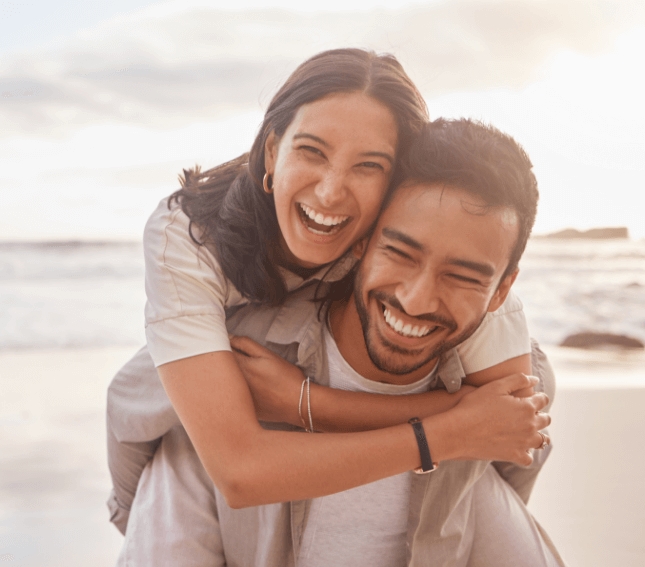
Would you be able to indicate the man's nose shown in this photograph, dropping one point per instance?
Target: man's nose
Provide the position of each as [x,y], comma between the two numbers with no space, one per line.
[331,190]
[419,295]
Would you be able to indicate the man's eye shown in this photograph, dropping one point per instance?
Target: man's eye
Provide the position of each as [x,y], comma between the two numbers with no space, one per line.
[465,279]
[398,252]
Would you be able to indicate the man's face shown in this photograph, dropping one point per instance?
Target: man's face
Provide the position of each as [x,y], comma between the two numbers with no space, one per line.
[430,273]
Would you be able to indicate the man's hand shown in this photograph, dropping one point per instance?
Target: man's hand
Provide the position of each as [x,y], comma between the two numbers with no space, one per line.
[493,423]
[274,382]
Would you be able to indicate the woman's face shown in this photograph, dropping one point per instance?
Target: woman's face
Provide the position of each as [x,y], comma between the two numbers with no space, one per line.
[330,170]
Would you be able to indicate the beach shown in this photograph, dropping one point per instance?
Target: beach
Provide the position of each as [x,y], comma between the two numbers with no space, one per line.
[110,107]
[590,496]
[53,470]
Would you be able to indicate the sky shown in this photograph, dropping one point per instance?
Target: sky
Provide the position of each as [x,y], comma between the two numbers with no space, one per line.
[103,103]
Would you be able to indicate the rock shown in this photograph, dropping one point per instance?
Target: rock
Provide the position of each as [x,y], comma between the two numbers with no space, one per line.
[600,340]
[593,233]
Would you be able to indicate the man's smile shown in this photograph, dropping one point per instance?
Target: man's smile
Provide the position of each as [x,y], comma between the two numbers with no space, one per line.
[406,334]
[405,329]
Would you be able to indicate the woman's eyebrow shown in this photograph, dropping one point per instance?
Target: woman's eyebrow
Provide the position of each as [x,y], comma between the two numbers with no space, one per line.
[306,135]
[301,135]
[384,155]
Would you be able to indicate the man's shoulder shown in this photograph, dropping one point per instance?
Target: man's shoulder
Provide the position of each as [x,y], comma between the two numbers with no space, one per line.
[282,324]
[512,304]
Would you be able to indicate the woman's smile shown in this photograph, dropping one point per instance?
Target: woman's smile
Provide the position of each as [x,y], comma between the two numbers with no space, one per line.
[330,171]
[320,223]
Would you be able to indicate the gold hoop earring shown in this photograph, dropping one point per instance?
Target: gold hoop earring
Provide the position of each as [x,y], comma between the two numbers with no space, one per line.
[267,183]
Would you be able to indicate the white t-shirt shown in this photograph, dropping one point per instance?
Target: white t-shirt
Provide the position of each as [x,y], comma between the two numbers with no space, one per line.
[187,293]
[366,525]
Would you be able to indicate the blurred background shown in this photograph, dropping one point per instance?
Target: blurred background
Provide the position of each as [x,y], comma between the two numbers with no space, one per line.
[102,103]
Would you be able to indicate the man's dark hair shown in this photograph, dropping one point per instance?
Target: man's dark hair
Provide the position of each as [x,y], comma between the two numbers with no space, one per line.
[471,156]
[481,160]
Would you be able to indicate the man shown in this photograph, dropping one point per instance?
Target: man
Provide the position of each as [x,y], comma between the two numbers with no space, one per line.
[443,254]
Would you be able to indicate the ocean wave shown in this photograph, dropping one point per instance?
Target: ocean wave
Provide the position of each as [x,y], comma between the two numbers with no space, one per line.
[59,295]
[75,260]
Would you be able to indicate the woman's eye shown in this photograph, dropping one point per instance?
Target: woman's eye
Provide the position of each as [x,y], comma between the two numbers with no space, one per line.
[312,150]
[372,165]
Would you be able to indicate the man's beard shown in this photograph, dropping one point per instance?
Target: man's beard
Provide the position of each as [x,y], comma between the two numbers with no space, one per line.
[380,359]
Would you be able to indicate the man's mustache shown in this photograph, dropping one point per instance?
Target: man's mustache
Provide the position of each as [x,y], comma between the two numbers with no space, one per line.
[431,317]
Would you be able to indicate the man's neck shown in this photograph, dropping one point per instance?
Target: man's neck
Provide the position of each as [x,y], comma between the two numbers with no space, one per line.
[348,334]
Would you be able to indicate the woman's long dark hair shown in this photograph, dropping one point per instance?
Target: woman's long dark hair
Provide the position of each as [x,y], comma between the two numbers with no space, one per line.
[236,219]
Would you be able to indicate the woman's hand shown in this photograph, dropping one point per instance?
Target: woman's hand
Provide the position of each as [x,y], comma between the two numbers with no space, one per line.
[495,422]
[274,383]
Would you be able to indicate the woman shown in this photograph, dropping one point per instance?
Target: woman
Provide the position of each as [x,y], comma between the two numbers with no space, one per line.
[315,179]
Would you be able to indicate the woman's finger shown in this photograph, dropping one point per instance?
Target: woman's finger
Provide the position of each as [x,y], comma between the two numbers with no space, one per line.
[249,347]
[539,401]
[543,420]
[514,382]
[525,393]
[543,441]
[242,358]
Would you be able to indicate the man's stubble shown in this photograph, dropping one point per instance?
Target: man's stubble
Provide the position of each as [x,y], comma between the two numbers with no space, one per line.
[389,364]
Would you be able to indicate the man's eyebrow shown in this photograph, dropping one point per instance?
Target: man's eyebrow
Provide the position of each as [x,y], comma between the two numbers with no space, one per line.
[306,135]
[394,234]
[484,269]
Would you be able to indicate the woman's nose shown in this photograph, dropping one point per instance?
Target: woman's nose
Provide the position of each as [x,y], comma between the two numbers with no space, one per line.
[331,190]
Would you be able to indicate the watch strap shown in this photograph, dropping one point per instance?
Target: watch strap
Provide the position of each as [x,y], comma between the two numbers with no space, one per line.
[424,451]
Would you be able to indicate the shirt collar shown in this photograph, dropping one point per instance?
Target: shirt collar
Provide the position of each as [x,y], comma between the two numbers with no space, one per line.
[330,273]
[297,322]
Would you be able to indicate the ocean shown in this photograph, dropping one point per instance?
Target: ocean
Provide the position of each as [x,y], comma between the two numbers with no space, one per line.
[71,295]
[65,295]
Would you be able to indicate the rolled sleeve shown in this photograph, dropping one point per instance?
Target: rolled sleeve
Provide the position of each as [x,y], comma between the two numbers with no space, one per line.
[167,339]
[502,335]
[186,290]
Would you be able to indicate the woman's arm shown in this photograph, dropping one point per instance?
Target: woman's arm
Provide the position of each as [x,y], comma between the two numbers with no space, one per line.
[187,293]
[518,365]
[340,410]
[337,411]
[253,466]
[275,385]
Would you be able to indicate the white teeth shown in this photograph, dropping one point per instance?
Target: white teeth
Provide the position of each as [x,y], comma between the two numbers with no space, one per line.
[322,219]
[407,330]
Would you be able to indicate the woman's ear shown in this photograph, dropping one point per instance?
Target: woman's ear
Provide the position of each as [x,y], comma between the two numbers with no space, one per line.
[359,247]
[270,152]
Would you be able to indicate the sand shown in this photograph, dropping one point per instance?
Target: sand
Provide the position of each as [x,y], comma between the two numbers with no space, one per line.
[53,472]
[54,480]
